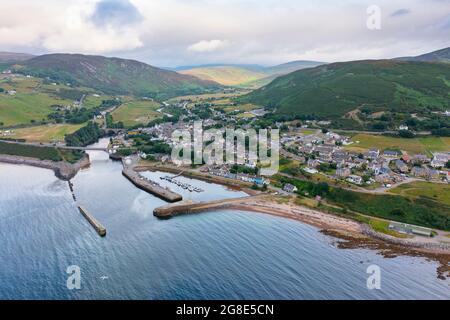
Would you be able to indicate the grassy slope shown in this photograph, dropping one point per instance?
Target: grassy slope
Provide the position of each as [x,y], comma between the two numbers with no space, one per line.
[32,101]
[135,112]
[424,145]
[46,133]
[115,76]
[335,89]
[247,76]
[433,191]
[226,75]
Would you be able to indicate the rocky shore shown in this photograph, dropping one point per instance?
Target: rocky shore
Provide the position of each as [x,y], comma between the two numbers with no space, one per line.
[63,170]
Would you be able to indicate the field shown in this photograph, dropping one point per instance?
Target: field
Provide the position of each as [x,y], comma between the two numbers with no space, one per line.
[418,211]
[91,101]
[28,104]
[45,133]
[424,145]
[42,153]
[136,112]
[435,191]
[208,96]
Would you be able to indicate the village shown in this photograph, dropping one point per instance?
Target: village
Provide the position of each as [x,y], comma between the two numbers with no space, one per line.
[319,152]
[325,153]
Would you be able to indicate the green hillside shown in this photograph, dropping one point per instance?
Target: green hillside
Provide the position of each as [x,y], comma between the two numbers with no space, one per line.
[114,75]
[335,89]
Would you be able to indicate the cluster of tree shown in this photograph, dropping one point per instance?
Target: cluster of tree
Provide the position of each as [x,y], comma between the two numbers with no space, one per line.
[111,124]
[442,132]
[84,136]
[243,169]
[406,134]
[2,90]
[74,116]
[110,103]
[144,143]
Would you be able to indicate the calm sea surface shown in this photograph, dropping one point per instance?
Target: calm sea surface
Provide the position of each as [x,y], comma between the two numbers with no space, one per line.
[216,255]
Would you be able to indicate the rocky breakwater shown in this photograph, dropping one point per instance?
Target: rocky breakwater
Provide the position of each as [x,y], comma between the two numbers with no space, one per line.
[63,170]
[146,184]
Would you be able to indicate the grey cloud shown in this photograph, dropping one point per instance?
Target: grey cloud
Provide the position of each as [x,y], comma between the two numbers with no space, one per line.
[400,12]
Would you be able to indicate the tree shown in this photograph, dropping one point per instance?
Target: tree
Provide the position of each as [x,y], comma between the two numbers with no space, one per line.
[406,134]
[397,212]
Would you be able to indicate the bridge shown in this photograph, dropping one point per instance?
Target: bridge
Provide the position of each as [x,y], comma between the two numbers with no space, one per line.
[52,145]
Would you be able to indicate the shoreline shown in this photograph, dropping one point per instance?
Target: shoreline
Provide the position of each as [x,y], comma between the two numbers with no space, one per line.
[315,217]
[63,170]
[350,234]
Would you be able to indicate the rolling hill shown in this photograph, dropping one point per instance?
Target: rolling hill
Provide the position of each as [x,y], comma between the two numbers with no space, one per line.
[114,75]
[442,55]
[226,75]
[335,89]
[247,76]
[11,57]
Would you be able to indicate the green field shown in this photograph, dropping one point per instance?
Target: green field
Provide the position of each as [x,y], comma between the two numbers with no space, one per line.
[91,101]
[424,145]
[45,133]
[29,103]
[419,211]
[136,112]
[422,211]
[42,153]
[434,191]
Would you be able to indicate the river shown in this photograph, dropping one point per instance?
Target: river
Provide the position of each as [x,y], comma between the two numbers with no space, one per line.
[217,255]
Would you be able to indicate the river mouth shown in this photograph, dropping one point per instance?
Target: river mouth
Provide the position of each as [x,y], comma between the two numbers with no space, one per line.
[227,254]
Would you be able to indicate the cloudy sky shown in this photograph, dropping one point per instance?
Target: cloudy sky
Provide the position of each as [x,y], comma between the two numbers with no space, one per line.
[186,32]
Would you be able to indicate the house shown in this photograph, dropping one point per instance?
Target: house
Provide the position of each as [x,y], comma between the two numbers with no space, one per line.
[420,158]
[373,154]
[313,163]
[383,178]
[406,158]
[310,170]
[401,166]
[425,173]
[419,172]
[355,179]
[343,172]
[290,188]
[403,127]
[325,150]
[391,154]
[410,229]
[440,160]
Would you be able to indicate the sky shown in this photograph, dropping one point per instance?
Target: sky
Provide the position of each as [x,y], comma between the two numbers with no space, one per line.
[171,33]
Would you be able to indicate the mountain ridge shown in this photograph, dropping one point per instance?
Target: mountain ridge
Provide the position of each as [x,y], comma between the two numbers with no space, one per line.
[113,75]
[335,89]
